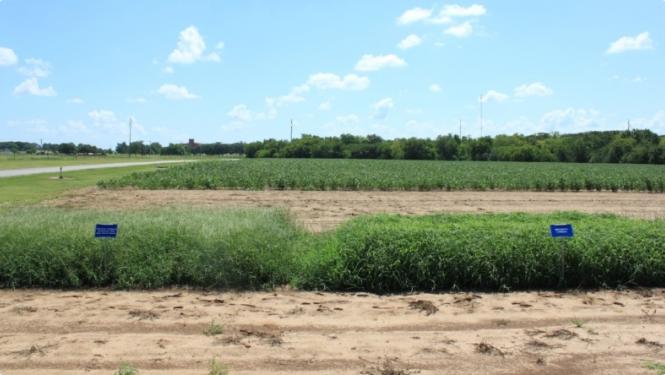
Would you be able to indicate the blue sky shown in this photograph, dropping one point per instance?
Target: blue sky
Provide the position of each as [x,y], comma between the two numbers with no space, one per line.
[75,70]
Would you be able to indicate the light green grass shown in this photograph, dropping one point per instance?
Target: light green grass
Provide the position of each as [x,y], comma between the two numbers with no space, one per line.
[327,174]
[656,366]
[35,188]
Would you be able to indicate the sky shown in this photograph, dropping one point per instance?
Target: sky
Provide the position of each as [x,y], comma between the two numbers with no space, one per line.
[227,71]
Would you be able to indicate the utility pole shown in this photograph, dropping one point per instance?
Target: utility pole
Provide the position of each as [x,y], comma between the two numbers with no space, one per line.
[291,130]
[628,125]
[481,116]
[129,146]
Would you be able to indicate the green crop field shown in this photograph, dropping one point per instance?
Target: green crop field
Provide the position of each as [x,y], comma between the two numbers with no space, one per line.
[327,174]
[253,249]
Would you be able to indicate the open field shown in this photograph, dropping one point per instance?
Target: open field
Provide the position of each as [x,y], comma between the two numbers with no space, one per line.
[325,174]
[324,241]
[33,161]
[35,188]
[287,332]
[324,210]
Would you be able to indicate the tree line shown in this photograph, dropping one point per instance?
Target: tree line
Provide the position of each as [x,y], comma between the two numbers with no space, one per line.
[631,146]
[634,146]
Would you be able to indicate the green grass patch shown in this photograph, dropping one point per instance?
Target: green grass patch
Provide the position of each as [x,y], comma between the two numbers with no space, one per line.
[656,366]
[53,248]
[327,174]
[256,249]
[35,188]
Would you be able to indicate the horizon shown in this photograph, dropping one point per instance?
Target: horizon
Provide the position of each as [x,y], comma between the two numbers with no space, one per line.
[239,72]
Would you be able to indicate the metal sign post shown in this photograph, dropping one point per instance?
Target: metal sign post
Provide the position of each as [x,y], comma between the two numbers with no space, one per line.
[106,232]
[562,231]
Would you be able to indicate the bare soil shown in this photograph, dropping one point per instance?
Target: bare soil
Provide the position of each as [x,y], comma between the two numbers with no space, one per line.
[323,210]
[290,332]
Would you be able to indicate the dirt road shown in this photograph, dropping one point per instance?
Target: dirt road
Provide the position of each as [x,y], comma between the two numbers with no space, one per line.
[322,210]
[288,332]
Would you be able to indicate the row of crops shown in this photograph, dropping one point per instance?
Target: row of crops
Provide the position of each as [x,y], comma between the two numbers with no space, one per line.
[313,174]
[253,249]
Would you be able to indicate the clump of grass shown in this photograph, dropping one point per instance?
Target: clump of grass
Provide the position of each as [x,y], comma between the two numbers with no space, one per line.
[656,366]
[217,368]
[578,323]
[126,369]
[390,253]
[236,248]
[213,329]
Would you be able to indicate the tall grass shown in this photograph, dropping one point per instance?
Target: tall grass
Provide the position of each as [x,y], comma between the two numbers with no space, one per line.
[327,174]
[254,249]
[490,251]
[207,248]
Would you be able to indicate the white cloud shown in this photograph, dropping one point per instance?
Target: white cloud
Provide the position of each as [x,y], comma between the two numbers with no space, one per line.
[414,15]
[462,30]
[102,115]
[294,96]
[75,100]
[410,41]
[533,89]
[168,70]
[174,92]
[495,96]
[35,68]
[655,123]
[434,87]
[325,106]
[31,86]
[571,120]
[369,63]
[107,121]
[327,81]
[240,113]
[626,43]
[7,57]
[191,48]
[219,45]
[382,108]
[455,10]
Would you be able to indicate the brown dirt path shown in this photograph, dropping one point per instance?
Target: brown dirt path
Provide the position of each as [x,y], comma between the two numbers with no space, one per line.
[322,210]
[288,332]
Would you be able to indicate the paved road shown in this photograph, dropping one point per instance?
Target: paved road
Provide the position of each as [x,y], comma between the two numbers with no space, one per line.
[29,171]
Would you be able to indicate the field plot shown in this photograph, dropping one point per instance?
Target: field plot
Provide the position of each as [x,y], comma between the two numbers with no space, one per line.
[250,249]
[323,174]
[325,210]
[286,332]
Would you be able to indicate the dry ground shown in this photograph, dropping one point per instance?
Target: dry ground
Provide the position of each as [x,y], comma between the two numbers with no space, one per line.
[322,210]
[289,332]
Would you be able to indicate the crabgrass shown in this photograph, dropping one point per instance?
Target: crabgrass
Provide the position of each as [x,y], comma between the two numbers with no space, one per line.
[656,366]
[332,174]
[213,329]
[256,249]
[126,369]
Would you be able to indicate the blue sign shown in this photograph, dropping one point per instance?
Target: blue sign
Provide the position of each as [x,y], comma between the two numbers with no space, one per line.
[106,230]
[561,230]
